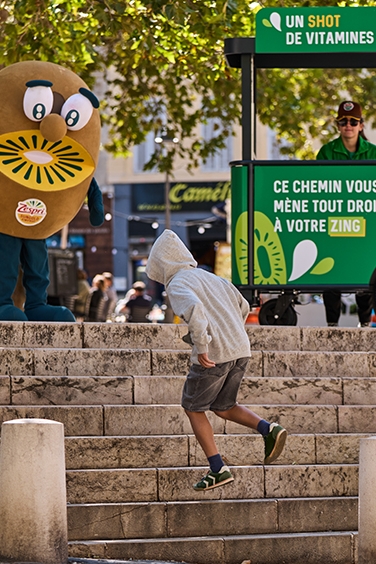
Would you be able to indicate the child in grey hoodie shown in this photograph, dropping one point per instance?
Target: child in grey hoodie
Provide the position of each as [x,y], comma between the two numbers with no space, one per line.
[215,312]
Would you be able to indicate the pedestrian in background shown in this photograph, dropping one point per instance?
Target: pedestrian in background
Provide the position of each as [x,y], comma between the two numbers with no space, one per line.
[111,294]
[139,304]
[98,299]
[352,144]
[83,293]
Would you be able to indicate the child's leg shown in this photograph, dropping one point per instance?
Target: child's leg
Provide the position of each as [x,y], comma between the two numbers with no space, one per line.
[274,435]
[242,415]
[200,390]
[227,396]
[219,473]
[203,431]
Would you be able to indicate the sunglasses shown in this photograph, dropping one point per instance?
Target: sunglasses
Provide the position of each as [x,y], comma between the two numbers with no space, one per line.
[344,121]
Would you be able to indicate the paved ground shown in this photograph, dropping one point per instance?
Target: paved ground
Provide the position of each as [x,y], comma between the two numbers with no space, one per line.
[88,561]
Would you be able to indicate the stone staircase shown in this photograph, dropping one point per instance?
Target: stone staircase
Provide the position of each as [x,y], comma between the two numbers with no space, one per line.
[132,459]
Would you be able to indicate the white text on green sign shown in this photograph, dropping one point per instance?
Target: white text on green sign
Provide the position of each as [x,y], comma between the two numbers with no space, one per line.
[314,223]
[316,30]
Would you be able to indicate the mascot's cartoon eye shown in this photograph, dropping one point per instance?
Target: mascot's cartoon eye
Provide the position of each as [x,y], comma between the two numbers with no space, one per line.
[77,111]
[38,102]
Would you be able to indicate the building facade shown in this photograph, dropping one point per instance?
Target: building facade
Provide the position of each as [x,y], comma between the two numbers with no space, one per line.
[199,207]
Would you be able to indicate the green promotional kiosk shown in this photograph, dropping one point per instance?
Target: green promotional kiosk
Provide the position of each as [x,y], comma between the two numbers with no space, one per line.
[301,226]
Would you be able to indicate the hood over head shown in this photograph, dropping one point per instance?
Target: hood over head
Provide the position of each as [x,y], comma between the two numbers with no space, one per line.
[168,256]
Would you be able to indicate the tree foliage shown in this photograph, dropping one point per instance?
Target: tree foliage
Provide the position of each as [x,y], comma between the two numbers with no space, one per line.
[163,63]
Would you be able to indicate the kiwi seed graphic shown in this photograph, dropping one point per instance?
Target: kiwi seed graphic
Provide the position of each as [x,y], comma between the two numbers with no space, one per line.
[27,158]
[269,258]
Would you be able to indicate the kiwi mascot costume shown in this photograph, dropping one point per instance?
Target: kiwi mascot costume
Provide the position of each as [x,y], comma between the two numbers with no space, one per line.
[49,148]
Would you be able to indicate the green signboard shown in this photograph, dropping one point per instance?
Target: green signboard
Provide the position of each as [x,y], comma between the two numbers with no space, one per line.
[316,30]
[314,225]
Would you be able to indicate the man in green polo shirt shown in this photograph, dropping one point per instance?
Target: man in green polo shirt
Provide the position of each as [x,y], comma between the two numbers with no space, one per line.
[351,144]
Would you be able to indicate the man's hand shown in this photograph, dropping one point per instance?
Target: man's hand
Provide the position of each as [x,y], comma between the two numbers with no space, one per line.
[205,361]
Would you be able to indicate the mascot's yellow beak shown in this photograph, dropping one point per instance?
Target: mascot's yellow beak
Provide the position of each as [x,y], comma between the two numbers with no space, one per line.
[28,158]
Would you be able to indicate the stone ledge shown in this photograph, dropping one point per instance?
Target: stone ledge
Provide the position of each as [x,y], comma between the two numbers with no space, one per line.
[167,389]
[236,517]
[315,548]
[145,420]
[176,484]
[165,451]
[71,390]
[82,420]
[123,335]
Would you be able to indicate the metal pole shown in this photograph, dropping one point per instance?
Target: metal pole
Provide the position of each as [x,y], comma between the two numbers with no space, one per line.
[167,202]
[247,106]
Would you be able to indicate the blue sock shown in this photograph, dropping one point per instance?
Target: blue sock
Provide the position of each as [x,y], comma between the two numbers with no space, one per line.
[215,462]
[263,427]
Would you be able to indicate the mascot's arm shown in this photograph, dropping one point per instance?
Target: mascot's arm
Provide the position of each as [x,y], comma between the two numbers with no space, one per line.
[95,203]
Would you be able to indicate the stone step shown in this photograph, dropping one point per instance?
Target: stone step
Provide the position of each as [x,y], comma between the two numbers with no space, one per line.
[131,420]
[152,390]
[74,362]
[132,458]
[66,390]
[183,450]
[297,419]
[114,521]
[135,335]
[144,362]
[294,548]
[91,335]
[175,484]
[41,334]
[311,338]
[77,420]
[88,453]
[168,336]
[281,338]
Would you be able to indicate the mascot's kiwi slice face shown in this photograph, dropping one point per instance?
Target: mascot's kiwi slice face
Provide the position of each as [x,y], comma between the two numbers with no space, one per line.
[27,158]
[49,146]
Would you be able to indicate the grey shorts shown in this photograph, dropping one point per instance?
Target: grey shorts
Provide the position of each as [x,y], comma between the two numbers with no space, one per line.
[214,388]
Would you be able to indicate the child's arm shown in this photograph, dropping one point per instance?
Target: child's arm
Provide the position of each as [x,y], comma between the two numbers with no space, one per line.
[186,305]
[243,304]
[205,361]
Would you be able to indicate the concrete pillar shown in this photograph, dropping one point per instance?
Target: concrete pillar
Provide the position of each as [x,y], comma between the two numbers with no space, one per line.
[367,501]
[33,508]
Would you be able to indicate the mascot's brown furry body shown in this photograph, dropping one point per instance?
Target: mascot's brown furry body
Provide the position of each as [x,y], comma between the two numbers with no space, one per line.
[49,147]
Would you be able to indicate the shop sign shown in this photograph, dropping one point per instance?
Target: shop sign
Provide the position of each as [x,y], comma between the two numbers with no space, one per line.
[184,196]
[316,30]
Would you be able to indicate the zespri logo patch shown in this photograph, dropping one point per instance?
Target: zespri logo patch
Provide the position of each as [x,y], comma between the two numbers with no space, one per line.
[31,212]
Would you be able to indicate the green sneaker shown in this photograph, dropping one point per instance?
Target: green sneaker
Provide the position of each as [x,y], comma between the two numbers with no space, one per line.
[214,479]
[274,442]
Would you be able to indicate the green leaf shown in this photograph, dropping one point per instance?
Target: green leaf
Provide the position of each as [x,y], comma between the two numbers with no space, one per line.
[324,266]
[266,23]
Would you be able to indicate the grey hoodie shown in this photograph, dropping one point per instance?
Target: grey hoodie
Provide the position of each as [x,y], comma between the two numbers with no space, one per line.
[213,308]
